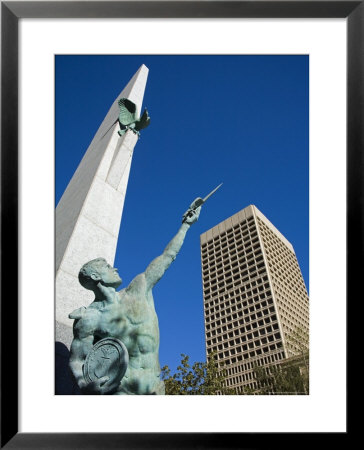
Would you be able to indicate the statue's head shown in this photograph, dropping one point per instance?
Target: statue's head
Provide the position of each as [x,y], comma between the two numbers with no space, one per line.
[98,271]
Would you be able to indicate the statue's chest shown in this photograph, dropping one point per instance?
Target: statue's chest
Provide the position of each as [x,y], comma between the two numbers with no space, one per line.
[127,316]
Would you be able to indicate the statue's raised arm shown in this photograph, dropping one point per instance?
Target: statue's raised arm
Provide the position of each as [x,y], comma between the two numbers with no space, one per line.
[159,265]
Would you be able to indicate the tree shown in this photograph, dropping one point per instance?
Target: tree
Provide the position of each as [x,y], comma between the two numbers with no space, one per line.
[202,378]
[298,344]
[280,379]
[290,376]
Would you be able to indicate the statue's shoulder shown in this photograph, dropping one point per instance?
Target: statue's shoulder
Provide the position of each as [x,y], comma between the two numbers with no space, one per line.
[137,283]
[84,313]
[86,320]
[77,313]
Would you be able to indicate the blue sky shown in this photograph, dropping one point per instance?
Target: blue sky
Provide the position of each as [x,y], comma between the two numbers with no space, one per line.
[241,120]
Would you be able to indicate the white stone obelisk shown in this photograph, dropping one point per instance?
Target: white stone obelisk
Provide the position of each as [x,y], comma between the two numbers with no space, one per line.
[89,213]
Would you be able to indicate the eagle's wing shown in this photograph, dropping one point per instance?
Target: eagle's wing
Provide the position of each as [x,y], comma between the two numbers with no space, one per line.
[128,111]
[143,122]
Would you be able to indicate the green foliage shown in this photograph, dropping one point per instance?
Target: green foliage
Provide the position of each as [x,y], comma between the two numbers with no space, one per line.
[199,379]
[290,377]
[280,379]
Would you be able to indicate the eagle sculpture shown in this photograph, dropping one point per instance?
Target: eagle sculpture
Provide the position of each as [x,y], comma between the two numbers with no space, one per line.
[129,118]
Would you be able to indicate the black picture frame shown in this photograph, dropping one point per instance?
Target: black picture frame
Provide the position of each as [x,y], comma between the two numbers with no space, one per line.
[11,12]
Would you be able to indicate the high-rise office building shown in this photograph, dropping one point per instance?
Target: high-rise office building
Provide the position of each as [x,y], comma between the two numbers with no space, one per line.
[254,295]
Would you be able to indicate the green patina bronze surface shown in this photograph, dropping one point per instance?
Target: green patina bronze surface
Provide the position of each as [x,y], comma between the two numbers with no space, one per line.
[129,118]
[108,357]
[128,316]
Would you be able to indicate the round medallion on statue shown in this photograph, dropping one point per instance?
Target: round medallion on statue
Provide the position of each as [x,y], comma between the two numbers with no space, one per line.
[108,357]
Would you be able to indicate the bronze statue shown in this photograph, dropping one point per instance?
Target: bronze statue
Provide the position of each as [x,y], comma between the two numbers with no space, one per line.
[116,338]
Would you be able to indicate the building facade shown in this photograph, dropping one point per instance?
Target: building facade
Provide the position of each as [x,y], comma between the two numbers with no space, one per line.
[254,295]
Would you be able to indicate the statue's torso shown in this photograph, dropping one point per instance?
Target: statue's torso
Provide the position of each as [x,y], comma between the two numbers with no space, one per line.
[132,319]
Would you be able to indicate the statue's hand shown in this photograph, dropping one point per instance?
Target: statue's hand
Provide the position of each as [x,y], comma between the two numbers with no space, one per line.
[99,387]
[192,216]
